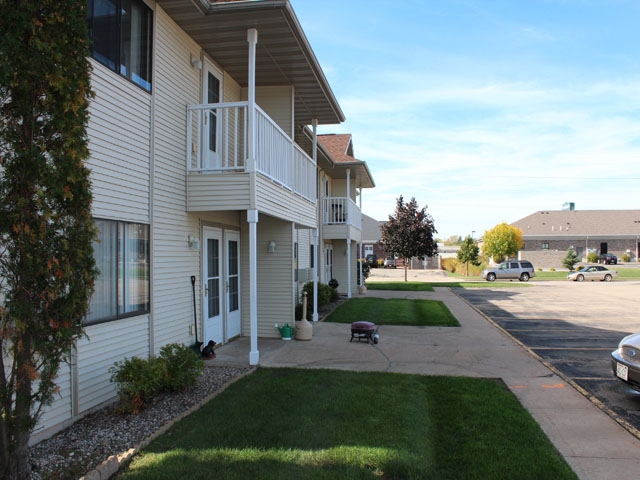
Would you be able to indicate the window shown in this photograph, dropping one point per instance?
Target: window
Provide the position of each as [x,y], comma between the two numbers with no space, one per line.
[122,256]
[121,35]
[545,246]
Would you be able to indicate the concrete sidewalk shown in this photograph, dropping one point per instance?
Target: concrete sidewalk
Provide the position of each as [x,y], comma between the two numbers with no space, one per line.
[593,444]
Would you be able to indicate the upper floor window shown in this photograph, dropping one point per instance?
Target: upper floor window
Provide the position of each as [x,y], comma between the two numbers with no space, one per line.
[121,35]
[545,246]
[122,256]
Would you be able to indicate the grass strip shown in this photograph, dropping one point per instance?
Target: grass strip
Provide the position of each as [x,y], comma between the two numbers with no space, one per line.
[327,424]
[401,286]
[428,286]
[394,311]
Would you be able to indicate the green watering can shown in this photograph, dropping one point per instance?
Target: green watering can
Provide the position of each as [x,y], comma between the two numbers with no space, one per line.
[286,331]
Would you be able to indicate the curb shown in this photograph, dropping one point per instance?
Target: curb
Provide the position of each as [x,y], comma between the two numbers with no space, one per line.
[613,415]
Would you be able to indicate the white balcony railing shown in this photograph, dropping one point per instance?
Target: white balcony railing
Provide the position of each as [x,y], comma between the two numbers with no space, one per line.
[217,142]
[341,211]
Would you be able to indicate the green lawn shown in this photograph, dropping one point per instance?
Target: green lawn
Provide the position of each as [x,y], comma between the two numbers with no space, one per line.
[471,282]
[329,424]
[394,311]
[401,286]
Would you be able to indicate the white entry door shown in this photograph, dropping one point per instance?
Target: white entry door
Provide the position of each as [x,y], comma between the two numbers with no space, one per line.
[221,275]
[212,83]
[328,262]
[212,275]
[232,272]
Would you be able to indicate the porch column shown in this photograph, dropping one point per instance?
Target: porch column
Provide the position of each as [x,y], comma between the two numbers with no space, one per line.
[252,38]
[348,234]
[252,218]
[315,275]
[361,259]
[316,260]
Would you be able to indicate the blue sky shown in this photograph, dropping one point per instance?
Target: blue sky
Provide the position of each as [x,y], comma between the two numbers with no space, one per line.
[486,110]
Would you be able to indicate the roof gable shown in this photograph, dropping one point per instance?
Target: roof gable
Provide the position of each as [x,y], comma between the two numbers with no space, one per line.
[339,146]
[340,149]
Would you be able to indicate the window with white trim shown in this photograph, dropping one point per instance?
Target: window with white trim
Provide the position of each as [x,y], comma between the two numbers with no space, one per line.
[121,33]
[122,256]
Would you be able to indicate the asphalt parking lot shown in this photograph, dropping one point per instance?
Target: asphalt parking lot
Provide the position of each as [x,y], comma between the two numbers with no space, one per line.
[573,327]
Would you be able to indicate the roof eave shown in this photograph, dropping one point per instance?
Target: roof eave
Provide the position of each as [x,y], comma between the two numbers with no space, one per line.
[287,57]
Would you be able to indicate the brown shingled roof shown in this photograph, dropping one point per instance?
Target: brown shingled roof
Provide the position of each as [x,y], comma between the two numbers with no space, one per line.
[338,145]
[340,148]
[562,223]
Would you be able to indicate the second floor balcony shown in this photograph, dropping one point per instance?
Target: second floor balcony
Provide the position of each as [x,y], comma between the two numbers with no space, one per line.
[219,163]
[340,214]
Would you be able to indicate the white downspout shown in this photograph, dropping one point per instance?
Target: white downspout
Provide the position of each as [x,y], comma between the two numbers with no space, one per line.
[348,235]
[252,215]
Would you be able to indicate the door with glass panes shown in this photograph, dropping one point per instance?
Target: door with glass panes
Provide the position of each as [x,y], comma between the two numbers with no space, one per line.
[212,118]
[221,296]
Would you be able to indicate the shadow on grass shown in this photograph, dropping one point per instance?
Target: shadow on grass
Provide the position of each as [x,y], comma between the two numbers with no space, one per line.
[326,424]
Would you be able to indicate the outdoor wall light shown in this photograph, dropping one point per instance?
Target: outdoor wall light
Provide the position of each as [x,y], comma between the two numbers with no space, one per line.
[196,62]
[271,246]
[194,242]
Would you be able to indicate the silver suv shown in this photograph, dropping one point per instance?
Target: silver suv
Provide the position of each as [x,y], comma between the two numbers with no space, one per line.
[521,269]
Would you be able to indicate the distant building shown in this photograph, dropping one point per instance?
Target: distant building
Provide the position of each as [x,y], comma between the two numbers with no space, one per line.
[548,234]
[371,237]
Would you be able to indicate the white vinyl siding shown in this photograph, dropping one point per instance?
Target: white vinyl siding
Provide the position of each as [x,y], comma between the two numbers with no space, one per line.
[274,200]
[275,276]
[119,142]
[60,411]
[277,102]
[340,266]
[104,346]
[176,85]
[219,192]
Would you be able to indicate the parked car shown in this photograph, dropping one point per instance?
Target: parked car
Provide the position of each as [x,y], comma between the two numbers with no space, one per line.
[372,260]
[389,263]
[593,273]
[608,259]
[520,269]
[625,361]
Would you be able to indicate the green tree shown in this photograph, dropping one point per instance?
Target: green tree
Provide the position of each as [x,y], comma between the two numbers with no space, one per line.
[408,233]
[469,253]
[502,241]
[47,269]
[570,259]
